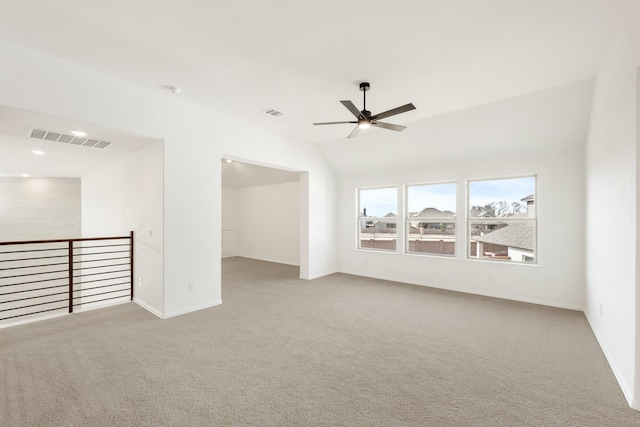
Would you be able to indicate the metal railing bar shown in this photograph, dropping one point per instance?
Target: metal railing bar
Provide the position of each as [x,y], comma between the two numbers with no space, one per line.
[100,266]
[103,259]
[92,251]
[61,256]
[100,280]
[34,274]
[61,263]
[100,253]
[34,281]
[103,286]
[100,300]
[80,239]
[101,293]
[131,279]
[104,272]
[39,296]
[33,312]
[32,250]
[33,305]
[32,266]
[100,246]
[31,259]
[33,290]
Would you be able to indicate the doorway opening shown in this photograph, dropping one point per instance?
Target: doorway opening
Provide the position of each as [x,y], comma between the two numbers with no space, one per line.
[261,210]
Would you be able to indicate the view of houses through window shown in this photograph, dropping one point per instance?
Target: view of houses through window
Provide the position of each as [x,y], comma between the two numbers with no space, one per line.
[378,218]
[501,219]
[431,219]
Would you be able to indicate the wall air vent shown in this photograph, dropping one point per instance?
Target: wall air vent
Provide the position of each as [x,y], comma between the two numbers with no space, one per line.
[274,113]
[68,139]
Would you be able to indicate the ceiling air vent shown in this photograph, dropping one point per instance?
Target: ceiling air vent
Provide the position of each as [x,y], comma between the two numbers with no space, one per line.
[68,139]
[274,113]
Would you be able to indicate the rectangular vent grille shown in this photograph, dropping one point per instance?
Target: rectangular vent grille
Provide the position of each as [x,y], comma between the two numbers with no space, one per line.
[274,113]
[68,139]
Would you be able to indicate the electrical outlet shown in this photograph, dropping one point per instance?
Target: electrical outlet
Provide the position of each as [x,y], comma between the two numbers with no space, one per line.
[190,287]
[490,277]
[140,281]
[600,309]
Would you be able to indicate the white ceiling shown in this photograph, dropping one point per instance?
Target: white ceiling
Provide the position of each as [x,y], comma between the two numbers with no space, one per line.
[303,57]
[60,159]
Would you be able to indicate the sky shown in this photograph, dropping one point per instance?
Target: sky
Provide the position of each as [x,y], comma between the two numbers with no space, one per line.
[511,190]
[380,201]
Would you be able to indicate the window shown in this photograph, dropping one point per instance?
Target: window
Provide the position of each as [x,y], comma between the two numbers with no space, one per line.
[502,219]
[377,218]
[431,219]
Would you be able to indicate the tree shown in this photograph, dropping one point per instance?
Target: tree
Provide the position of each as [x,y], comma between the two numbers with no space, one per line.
[499,209]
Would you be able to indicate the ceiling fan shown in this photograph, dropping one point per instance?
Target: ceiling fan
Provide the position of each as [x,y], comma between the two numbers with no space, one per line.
[365,119]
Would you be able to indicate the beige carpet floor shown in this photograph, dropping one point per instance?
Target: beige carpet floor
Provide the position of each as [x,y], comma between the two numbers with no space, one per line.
[336,351]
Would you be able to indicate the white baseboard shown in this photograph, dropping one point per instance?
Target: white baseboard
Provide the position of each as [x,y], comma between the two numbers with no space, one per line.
[148,308]
[33,319]
[628,393]
[192,309]
[96,306]
[475,292]
[267,260]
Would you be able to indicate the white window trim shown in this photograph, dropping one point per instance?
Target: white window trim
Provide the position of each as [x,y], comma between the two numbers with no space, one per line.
[507,220]
[395,220]
[446,220]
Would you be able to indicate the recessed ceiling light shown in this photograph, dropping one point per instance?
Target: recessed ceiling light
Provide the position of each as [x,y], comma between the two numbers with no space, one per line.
[228,160]
[24,175]
[37,152]
[78,133]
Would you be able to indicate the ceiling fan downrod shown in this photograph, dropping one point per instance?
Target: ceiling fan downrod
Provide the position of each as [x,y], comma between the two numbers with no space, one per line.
[364,87]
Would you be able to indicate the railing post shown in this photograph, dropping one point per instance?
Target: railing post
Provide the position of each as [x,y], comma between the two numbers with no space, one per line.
[70,276]
[131,258]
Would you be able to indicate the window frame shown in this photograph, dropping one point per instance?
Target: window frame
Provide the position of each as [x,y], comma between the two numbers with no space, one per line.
[394,220]
[532,220]
[430,220]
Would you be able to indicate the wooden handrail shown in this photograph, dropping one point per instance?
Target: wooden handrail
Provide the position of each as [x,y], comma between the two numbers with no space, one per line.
[80,239]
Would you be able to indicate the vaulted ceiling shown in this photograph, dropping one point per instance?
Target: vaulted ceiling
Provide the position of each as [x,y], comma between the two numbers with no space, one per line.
[451,59]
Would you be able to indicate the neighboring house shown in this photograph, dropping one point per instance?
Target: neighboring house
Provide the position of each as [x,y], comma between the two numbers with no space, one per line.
[518,238]
[480,227]
[430,213]
[388,224]
[369,225]
[530,201]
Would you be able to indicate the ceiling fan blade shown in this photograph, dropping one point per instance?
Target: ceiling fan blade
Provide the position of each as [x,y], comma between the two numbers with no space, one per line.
[332,123]
[394,111]
[354,132]
[389,126]
[354,110]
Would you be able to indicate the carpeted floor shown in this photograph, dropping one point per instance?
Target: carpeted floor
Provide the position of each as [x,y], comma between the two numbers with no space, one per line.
[336,351]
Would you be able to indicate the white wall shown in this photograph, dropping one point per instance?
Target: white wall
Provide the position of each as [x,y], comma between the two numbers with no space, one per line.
[556,280]
[125,196]
[317,196]
[611,211]
[268,219]
[229,211]
[194,140]
[39,208]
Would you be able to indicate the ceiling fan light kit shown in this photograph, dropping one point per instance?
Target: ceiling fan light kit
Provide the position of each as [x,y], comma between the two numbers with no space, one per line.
[364,117]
